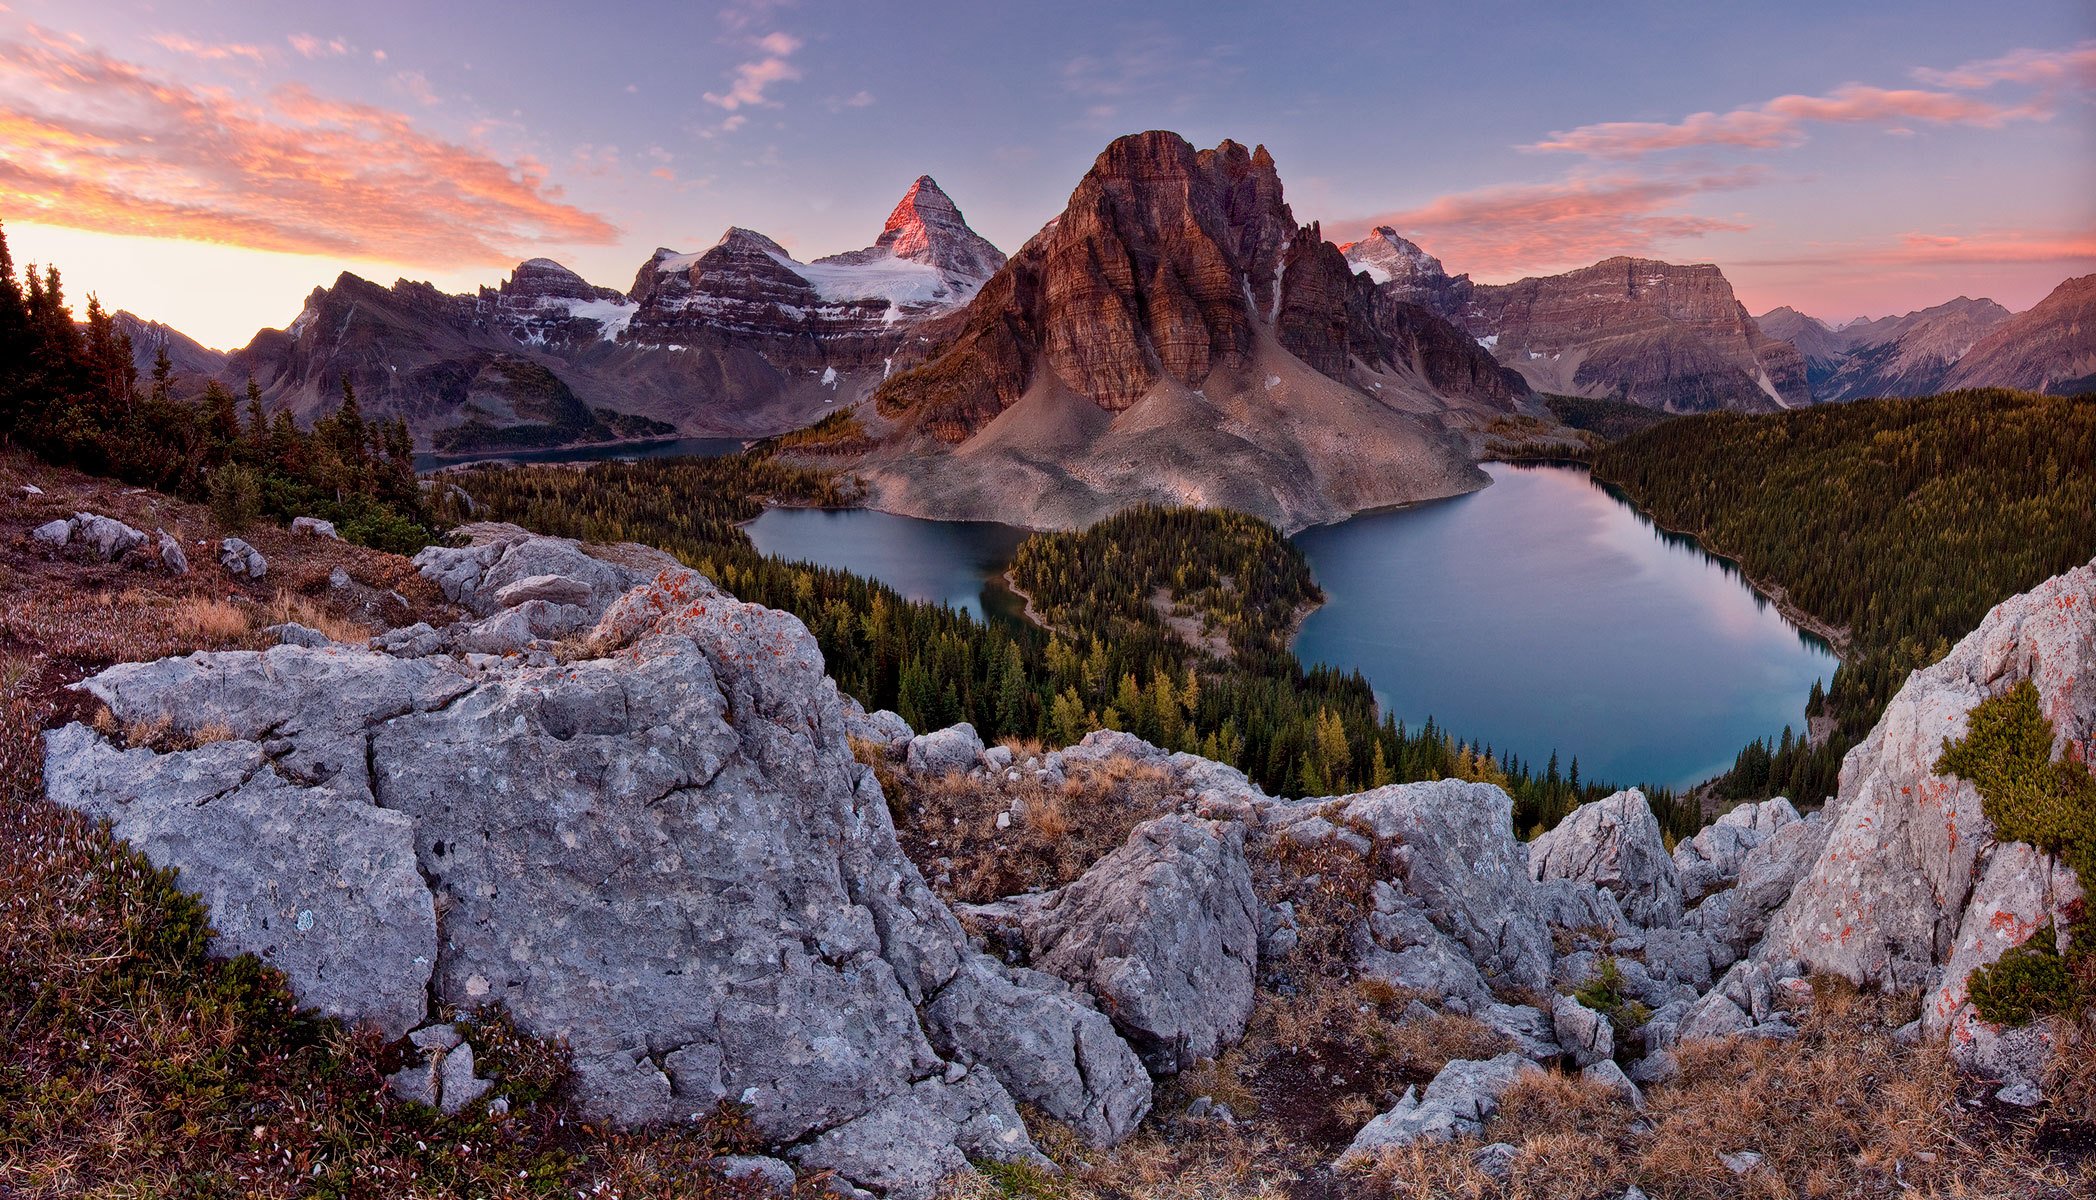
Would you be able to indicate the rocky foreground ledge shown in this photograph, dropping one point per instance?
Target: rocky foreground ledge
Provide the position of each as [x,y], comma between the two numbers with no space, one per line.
[625,806]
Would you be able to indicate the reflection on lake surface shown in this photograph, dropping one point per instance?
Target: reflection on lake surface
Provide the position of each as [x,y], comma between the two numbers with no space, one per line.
[1544,613]
[958,563]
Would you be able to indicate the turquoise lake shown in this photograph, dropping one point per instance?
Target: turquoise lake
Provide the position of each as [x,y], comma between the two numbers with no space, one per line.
[1541,613]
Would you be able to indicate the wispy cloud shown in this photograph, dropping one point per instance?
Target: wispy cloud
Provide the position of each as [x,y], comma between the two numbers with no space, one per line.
[102,144]
[211,51]
[1145,66]
[1782,121]
[2072,67]
[310,46]
[1522,228]
[1785,120]
[1916,249]
[415,86]
[752,79]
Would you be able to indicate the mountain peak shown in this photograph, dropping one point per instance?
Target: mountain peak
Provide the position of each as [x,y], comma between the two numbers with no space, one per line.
[926,226]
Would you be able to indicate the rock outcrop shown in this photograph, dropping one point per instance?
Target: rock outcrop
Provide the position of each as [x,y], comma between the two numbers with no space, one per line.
[1912,889]
[104,537]
[1615,844]
[1163,931]
[664,854]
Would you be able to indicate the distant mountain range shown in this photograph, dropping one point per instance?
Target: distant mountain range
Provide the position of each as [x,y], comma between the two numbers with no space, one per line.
[1172,272]
[1964,343]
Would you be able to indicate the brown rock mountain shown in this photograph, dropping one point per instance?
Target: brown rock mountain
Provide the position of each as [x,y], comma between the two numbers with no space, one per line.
[738,340]
[1176,337]
[1658,334]
[2049,348]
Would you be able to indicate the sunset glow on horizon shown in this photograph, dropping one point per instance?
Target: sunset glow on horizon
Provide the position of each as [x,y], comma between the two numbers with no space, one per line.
[208,166]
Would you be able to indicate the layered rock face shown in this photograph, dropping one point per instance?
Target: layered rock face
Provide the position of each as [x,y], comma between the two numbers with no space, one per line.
[740,339]
[664,854]
[1176,337]
[1665,336]
[2050,348]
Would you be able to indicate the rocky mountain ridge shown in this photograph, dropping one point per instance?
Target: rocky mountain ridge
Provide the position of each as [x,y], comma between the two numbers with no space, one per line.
[1663,335]
[1910,355]
[622,803]
[740,339]
[1175,336]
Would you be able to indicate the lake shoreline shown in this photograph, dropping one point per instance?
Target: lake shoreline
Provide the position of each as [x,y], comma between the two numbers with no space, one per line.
[1838,638]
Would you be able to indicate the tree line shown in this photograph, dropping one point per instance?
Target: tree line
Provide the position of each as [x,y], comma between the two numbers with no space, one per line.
[1901,520]
[70,392]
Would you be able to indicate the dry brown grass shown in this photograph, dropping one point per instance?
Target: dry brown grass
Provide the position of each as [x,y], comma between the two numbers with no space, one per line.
[288,607]
[1055,833]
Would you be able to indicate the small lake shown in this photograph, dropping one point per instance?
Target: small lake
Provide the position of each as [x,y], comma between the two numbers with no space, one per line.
[623,452]
[956,563]
[1546,613]
[1541,613]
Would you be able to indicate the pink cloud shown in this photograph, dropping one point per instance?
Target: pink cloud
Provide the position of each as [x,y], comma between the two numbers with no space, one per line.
[101,144]
[1915,249]
[209,52]
[1781,122]
[315,47]
[752,79]
[2072,67]
[1525,228]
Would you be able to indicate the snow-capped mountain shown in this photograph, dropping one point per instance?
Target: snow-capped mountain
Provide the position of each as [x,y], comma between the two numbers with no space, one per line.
[738,339]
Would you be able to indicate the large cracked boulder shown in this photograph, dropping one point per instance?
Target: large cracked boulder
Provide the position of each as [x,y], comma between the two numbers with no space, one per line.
[1450,846]
[1910,861]
[665,855]
[502,566]
[1164,931]
[1615,844]
[1047,1043]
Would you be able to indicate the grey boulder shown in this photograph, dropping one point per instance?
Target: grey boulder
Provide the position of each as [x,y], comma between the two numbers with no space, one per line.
[951,751]
[241,560]
[1462,1097]
[1047,1044]
[1164,932]
[1614,843]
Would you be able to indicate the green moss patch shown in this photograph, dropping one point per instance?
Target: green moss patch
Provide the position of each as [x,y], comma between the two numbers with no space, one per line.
[2050,803]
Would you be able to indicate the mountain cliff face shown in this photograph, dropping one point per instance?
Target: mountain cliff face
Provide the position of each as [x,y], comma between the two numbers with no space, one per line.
[1658,334]
[1665,336]
[1911,355]
[1175,336]
[737,340]
[2050,348]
